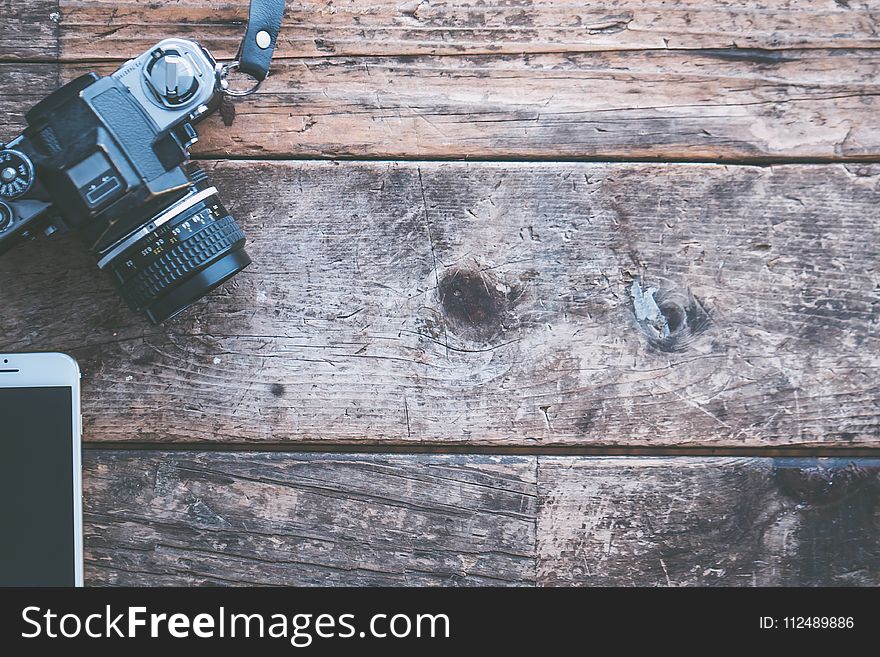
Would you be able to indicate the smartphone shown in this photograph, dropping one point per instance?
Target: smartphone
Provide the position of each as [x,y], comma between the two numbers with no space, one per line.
[40,487]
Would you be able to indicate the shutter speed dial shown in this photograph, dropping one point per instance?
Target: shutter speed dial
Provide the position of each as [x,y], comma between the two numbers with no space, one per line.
[16,174]
[172,76]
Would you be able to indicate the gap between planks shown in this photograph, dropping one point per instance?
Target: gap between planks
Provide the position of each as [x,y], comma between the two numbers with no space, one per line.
[745,54]
[767,161]
[825,451]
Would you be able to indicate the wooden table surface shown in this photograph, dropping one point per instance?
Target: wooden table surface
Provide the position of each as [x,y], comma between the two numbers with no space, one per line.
[543,292]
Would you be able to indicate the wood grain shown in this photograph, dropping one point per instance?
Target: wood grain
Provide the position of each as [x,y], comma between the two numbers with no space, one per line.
[30,31]
[707,104]
[183,518]
[708,522]
[503,305]
[106,28]
[797,81]
[21,87]
[196,519]
[493,304]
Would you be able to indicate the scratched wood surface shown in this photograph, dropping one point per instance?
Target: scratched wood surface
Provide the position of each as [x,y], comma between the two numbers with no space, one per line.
[197,518]
[522,80]
[512,305]
[189,518]
[708,522]
[676,105]
[105,28]
[21,87]
[496,304]
[30,30]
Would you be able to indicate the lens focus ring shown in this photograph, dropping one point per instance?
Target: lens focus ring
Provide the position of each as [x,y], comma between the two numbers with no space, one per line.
[184,259]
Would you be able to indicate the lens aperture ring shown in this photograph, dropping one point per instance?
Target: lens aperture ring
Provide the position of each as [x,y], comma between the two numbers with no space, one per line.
[161,240]
[171,267]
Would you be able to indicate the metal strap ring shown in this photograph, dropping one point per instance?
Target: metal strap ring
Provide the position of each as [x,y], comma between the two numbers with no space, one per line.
[225,70]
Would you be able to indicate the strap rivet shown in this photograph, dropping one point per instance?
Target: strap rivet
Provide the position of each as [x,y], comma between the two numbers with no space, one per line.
[264,39]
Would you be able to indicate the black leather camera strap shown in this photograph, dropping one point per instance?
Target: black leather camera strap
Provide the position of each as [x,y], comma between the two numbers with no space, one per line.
[258,45]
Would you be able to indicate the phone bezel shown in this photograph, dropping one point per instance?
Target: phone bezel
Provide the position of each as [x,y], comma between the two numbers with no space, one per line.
[53,370]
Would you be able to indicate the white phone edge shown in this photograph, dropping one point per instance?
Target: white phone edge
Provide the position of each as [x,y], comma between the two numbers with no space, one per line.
[43,370]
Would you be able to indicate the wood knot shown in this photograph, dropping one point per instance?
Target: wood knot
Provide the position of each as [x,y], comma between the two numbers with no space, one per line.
[819,486]
[478,305]
[669,318]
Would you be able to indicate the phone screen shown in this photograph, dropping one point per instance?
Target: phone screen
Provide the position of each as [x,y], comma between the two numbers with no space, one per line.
[36,487]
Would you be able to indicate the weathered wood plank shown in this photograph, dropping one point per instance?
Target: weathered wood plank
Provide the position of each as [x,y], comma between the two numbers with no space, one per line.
[401,94]
[21,87]
[708,522]
[494,304]
[715,104]
[30,31]
[106,28]
[203,518]
[183,518]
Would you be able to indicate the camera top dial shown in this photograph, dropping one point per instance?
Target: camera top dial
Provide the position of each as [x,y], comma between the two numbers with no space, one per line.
[176,81]
[16,174]
[171,77]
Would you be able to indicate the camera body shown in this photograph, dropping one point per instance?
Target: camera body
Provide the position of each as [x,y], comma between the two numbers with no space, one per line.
[108,158]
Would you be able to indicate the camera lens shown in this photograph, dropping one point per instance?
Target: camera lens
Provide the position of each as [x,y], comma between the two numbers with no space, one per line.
[179,255]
